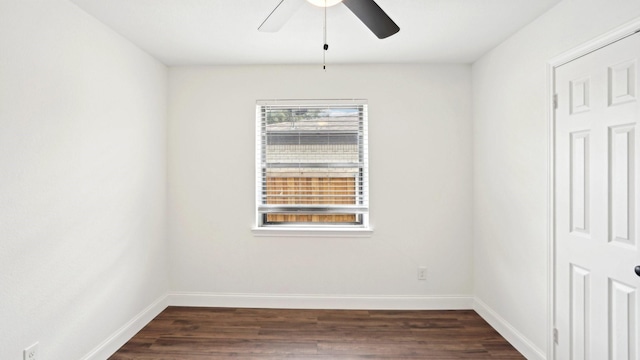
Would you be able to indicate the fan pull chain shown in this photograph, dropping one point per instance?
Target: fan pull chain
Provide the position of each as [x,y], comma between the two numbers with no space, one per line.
[325,46]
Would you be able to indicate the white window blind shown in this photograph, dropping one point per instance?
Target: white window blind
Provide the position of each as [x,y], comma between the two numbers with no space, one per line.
[312,163]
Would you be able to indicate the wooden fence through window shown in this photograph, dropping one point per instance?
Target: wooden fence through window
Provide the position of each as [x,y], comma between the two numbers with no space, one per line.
[311,190]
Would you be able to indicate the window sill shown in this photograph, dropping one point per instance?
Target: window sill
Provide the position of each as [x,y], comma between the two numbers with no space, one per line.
[312,232]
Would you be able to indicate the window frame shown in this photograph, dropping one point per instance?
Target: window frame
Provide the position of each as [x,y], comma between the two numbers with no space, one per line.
[361,229]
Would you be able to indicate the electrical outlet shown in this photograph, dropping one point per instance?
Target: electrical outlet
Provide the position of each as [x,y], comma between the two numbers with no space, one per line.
[422,273]
[31,353]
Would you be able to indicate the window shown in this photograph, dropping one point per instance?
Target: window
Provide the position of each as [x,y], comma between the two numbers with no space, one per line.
[312,164]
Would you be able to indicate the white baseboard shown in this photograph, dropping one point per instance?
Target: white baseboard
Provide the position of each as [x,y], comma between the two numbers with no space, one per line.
[358,302]
[127,331]
[513,336]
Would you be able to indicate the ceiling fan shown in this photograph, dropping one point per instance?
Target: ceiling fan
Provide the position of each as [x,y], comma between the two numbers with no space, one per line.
[366,10]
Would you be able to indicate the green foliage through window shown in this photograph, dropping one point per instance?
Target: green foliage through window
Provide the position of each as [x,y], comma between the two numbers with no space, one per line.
[275,116]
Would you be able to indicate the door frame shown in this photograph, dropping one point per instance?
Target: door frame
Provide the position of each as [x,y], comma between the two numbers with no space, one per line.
[590,46]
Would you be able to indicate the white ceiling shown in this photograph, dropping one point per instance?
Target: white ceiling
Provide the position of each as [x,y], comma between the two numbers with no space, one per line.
[208,32]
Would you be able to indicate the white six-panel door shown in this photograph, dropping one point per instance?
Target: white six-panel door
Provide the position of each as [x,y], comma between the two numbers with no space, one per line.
[597,142]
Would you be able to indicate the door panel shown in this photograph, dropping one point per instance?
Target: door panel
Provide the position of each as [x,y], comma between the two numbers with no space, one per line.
[622,329]
[621,184]
[580,182]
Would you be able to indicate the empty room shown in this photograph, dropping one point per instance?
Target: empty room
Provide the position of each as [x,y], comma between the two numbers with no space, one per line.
[319,179]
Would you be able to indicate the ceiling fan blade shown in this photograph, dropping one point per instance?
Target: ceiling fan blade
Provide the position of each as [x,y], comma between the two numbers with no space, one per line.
[373,17]
[279,16]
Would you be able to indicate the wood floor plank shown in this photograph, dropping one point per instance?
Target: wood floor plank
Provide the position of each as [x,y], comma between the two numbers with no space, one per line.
[190,333]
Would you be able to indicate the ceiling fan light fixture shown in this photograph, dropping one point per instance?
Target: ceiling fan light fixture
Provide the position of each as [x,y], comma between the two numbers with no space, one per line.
[371,15]
[324,3]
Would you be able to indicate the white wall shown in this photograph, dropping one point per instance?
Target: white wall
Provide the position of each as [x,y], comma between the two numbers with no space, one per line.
[420,175]
[510,159]
[82,180]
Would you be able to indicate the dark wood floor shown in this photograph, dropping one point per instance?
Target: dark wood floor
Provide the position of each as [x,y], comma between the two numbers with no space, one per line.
[188,333]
